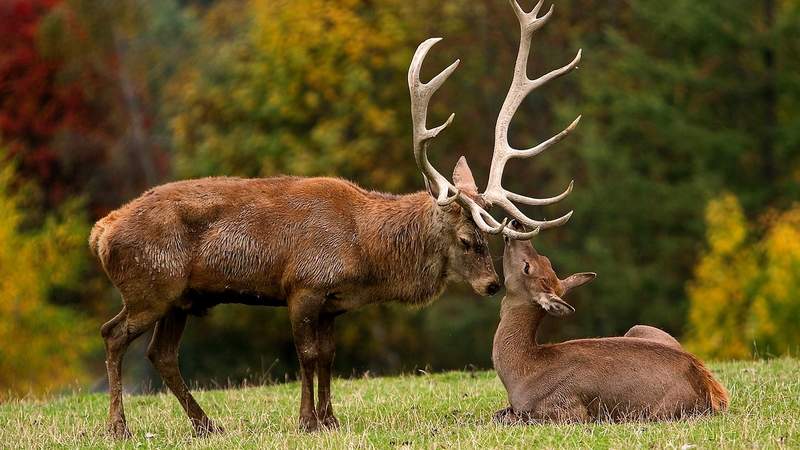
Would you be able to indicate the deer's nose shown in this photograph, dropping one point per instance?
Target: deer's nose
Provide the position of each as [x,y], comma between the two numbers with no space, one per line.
[492,288]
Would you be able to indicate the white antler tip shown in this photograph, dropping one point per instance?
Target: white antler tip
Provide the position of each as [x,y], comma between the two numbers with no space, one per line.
[571,185]
[577,59]
[530,234]
[517,9]
[499,229]
[430,134]
[438,80]
[536,8]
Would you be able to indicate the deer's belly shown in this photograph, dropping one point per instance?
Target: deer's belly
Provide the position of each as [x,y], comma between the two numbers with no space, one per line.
[350,296]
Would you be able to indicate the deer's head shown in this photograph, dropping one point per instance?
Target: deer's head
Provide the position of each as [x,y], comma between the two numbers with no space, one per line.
[530,277]
[468,246]
[467,214]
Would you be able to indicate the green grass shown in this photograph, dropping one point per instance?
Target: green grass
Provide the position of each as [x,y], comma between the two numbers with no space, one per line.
[450,410]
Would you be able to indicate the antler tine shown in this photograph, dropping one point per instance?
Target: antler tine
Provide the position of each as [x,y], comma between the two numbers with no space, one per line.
[539,201]
[520,87]
[488,224]
[533,151]
[421,94]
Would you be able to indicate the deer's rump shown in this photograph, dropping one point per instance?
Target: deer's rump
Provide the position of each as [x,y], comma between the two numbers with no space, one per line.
[232,240]
[633,378]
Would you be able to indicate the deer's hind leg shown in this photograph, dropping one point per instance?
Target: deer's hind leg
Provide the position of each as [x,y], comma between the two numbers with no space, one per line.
[118,334]
[327,350]
[163,353]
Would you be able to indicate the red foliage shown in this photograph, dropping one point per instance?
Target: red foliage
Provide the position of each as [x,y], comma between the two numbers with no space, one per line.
[34,104]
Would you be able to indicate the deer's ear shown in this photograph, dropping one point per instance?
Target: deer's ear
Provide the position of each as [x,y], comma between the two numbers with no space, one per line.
[462,177]
[578,279]
[554,305]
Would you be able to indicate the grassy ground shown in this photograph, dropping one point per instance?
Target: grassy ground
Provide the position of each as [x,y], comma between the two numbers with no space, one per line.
[450,410]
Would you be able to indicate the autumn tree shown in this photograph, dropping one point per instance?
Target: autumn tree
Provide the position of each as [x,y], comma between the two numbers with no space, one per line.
[676,98]
[81,87]
[286,91]
[743,298]
[36,105]
[45,343]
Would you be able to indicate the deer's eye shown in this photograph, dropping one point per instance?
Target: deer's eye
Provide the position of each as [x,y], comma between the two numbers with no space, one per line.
[527,268]
[465,243]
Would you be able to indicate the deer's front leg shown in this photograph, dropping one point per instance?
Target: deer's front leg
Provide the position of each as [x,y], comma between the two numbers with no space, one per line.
[304,310]
[327,350]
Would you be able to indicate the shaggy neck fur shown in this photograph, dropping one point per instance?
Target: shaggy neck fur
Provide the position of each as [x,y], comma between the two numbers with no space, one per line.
[408,246]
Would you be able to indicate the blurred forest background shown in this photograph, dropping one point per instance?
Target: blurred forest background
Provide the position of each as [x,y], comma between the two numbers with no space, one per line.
[686,164]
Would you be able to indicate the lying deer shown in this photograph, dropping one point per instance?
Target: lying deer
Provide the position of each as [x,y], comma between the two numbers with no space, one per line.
[319,246]
[645,375]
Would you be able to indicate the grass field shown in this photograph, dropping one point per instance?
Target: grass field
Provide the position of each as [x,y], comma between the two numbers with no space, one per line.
[450,410]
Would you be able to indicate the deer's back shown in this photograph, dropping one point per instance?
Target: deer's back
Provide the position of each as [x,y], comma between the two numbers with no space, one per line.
[249,235]
[654,334]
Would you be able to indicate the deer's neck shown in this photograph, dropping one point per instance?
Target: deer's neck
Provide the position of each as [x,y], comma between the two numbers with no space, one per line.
[406,239]
[515,347]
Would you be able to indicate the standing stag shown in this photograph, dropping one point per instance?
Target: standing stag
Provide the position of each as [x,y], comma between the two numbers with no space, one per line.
[320,246]
[645,375]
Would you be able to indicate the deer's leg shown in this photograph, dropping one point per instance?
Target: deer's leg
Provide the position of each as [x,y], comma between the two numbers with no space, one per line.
[559,410]
[163,353]
[507,416]
[304,309]
[118,333]
[327,350]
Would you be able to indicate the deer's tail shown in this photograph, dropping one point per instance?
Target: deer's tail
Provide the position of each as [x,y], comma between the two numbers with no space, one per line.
[716,393]
[97,238]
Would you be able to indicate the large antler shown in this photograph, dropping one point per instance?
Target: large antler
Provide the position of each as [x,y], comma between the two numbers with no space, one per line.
[421,94]
[494,194]
[521,86]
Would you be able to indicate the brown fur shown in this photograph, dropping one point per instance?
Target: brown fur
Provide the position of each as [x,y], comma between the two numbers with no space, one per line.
[649,377]
[321,246]
[654,334]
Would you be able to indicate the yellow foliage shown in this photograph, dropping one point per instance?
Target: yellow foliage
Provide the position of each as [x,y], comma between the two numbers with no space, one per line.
[744,296]
[306,88]
[781,287]
[42,344]
[718,293]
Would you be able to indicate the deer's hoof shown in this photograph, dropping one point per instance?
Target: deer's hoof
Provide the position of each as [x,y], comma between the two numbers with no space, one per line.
[506,416]
[206,428]
[309,424]
[118,429]
[330,422]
